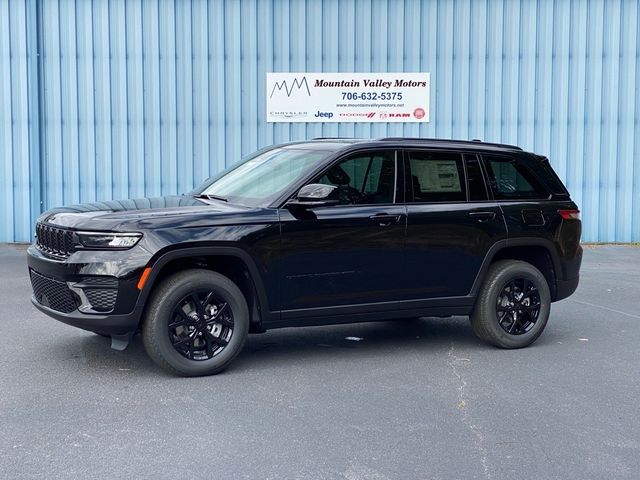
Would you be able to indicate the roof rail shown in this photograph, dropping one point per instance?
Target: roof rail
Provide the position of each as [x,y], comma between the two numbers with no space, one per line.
[445,140]
[335,138]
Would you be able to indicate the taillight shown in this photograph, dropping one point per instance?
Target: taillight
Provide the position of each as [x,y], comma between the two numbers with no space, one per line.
[570,214]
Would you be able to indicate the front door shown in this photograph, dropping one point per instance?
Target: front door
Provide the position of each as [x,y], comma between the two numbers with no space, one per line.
[350,253]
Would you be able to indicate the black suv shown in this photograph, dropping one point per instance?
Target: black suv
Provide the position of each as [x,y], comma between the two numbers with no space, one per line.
[317,232]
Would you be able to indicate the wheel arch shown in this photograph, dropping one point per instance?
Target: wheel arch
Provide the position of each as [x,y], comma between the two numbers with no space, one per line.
[539,252]
[233,262]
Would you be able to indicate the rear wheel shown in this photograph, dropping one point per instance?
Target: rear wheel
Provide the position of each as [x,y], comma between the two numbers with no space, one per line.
[196,323]
[513,305]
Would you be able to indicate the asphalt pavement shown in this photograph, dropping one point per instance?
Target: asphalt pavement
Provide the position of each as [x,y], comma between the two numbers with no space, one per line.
[419,399]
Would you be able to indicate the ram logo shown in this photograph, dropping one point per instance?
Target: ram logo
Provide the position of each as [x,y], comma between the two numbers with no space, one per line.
[289,89]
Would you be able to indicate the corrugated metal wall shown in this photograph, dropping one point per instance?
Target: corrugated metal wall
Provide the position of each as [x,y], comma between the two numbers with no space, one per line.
[132,98]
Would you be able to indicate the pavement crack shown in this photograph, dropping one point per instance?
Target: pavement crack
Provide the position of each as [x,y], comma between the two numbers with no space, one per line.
[453,361]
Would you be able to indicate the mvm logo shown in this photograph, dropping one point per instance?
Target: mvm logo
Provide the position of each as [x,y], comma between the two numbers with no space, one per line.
[295,86]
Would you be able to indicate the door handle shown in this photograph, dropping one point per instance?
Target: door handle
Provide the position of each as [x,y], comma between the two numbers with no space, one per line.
[384,219]
[482,216]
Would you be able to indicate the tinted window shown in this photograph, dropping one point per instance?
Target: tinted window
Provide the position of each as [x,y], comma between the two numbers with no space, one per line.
[511,180]
[477,187]
[436,177]
[366,178]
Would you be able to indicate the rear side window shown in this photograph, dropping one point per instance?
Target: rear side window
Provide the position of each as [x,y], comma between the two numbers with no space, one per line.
[511,180]
[436,177]
[477,187]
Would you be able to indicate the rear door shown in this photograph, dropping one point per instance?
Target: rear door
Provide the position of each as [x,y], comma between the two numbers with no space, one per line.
[522,195]
[451,222]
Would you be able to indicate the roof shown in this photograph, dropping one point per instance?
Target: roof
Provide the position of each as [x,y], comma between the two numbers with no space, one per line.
[414,141]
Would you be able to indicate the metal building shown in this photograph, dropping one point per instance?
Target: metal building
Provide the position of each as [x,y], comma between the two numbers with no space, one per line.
[111,99]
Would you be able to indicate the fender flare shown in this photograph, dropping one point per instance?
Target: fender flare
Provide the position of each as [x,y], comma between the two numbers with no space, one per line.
[515,242]
[197,251]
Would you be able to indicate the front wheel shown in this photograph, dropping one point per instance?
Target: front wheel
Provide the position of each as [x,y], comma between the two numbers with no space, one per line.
[196,323]
[513,305]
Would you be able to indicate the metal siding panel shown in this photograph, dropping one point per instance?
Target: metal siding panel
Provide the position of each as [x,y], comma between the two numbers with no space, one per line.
[233,79]
[593,119]
[200,92]
[86,105]
[625,104]
[634,207]
[217,88]
[102,97]
[53,169]
[265,38]
[167,99]
[493,72]
[575,148]
[6,127]
[143,97]
[135,98]
[20,119]
[151,98]
[69,102]
[119,98]
[560,87]
[461,72]
[527,75]
[33,107]
[184,98]
[608,164]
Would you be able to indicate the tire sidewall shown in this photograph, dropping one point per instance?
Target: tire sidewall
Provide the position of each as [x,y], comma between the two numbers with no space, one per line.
[162,313]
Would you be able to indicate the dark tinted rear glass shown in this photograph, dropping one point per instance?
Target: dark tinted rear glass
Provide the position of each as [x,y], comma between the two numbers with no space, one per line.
[550,177]
[477,187]
[512,180]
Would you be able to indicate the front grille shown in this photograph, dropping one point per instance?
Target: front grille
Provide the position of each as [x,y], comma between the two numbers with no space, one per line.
[52,293]
[53,241]
[101,299]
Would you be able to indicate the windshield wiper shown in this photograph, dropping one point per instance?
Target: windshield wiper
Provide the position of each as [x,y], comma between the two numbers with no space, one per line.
[208,196]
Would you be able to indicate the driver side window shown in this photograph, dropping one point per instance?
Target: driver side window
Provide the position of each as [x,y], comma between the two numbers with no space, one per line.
[364,178]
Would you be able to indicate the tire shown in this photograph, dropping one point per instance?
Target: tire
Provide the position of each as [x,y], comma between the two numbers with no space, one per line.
[190,357]
[498,311]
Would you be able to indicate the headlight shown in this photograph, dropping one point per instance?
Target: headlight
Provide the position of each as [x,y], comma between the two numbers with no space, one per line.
[108,240]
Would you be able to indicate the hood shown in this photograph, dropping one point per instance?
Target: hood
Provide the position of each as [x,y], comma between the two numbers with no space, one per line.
[113,214]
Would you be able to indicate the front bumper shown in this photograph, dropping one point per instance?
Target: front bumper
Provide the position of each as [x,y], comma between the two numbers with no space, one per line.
[92,290]
[105,324]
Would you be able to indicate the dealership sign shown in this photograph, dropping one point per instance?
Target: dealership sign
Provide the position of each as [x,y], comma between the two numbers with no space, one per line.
[348,97]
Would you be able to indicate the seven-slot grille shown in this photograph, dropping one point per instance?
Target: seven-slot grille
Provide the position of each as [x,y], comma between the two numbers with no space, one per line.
[52,293]
[56,242]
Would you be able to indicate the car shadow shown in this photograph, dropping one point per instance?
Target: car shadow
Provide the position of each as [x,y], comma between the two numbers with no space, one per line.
[282,346]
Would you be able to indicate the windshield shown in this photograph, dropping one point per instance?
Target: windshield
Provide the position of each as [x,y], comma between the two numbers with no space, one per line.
[260,179]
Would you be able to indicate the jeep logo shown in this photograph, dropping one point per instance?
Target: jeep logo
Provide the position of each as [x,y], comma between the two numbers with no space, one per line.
[324,114]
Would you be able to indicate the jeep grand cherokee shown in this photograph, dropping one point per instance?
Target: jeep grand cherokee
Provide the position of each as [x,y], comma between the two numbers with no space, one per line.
[317,232]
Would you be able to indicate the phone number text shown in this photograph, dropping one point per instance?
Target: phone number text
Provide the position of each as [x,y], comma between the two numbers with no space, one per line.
[371,95]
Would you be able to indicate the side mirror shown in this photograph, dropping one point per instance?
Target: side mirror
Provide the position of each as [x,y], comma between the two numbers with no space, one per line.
[315,195]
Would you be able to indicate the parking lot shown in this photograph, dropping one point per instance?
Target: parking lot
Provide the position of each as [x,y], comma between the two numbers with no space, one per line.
[419,399]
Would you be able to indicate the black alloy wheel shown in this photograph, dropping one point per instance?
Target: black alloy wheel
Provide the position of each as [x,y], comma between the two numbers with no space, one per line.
[202,326]
[518,306]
